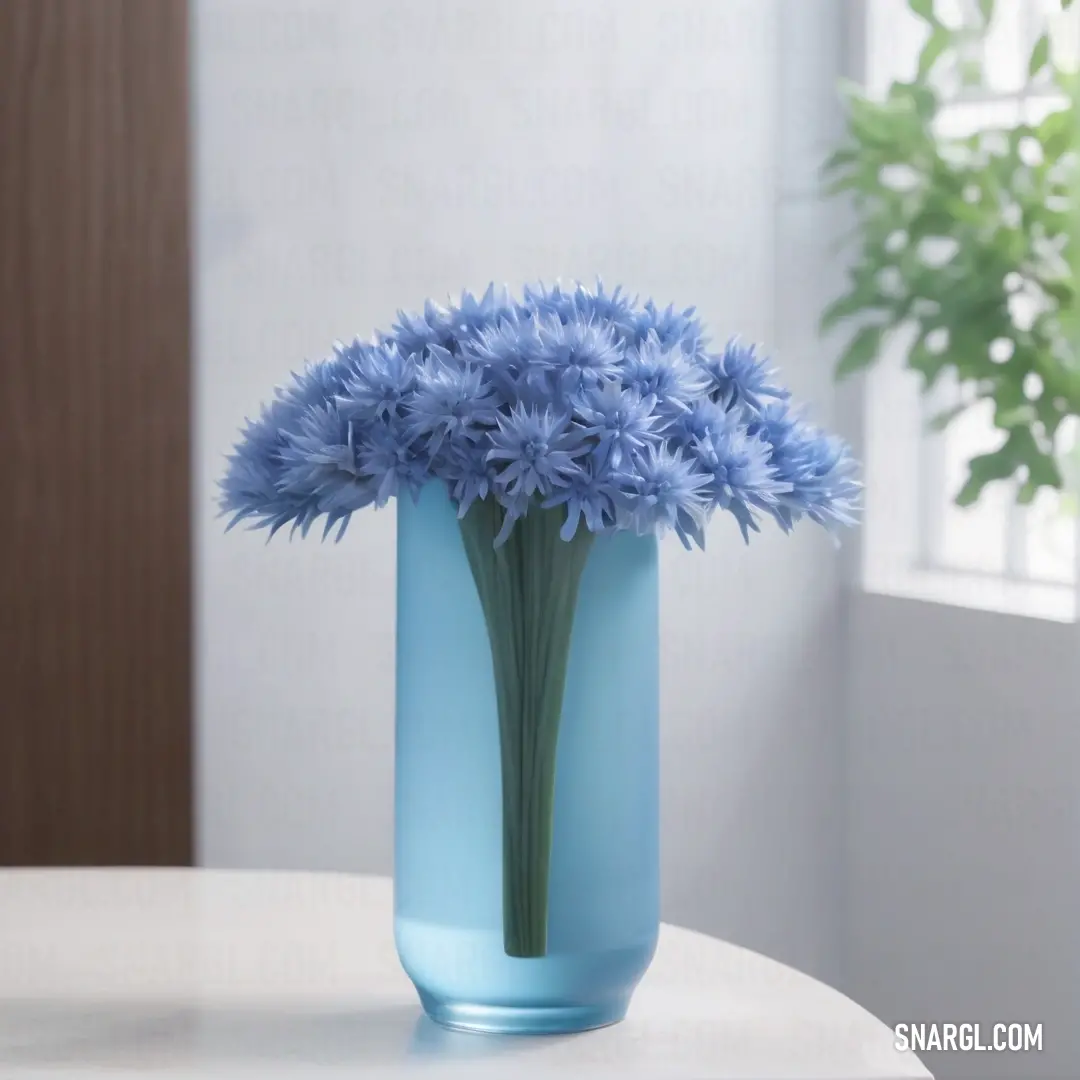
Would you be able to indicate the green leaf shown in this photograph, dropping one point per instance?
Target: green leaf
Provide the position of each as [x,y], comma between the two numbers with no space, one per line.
[959,210]
[850,90]
[838,159]
[935,46]
[928,364]
[852,303]
[1043,470]
[1057,132]
[1039,55]
[925,101]
[1062,290]
[943,419]
[842,184]
[864,349]
[924,9]
[987,9]
[1066,4]
[984,469]
[1016,416]
[1026,495]
[971,71]
[1019,451]
[891,128]
[933,221]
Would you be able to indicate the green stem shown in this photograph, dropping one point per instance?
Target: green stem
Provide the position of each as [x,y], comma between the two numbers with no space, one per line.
[528,590]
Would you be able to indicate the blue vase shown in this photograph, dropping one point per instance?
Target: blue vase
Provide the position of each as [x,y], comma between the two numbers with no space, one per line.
[594,928]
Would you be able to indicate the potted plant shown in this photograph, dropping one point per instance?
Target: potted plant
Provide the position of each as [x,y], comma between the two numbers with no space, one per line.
[535,447]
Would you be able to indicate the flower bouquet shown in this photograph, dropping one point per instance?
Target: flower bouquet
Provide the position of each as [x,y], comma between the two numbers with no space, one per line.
[537,441]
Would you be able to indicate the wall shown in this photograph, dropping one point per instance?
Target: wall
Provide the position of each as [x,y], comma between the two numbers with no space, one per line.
[962,819]
[354,157]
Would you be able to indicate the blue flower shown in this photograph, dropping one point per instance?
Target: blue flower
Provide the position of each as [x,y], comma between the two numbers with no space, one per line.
[667,492]
[571,397]
[739,376]
[701,420]
[415,333]
[579,304]
[452,326]
[320,446]
[469,477]
[665,374]
[590,493]
[740,478]
[510,352]
[579,353]
[251,487]
[320,464]
[394,461]
[817,469]
[317,383]
[621,422]
[672,329]
[470,316]
[380,378]
[450,400]
[538,450]
[515,507]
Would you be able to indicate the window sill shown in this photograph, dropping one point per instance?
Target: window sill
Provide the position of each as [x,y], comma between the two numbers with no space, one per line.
[1033,600]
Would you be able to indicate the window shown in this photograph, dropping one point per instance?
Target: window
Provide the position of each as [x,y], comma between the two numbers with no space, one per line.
[917,542]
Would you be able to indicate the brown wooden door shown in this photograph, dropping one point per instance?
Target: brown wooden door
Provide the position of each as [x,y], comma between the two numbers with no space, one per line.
[95,523]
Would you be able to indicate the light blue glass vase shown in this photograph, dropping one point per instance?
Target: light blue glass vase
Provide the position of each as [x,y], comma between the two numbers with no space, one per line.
[595,936]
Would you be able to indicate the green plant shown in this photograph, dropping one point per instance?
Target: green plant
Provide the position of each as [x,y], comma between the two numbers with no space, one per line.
[966,243]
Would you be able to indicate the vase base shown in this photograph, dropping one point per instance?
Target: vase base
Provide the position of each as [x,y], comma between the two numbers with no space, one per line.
[523,1020]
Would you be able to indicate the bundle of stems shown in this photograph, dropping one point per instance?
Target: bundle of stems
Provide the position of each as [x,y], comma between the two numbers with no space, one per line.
[528,590]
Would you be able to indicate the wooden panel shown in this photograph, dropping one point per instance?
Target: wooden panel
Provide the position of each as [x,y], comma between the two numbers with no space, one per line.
[95,609]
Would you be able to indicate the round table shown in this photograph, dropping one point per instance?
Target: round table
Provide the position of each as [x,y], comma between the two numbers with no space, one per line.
[222,974]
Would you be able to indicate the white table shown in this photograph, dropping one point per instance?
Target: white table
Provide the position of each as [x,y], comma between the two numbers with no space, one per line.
[215,974]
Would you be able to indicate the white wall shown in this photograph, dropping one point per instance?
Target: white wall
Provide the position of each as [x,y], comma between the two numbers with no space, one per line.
[356,157]
[964,825]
